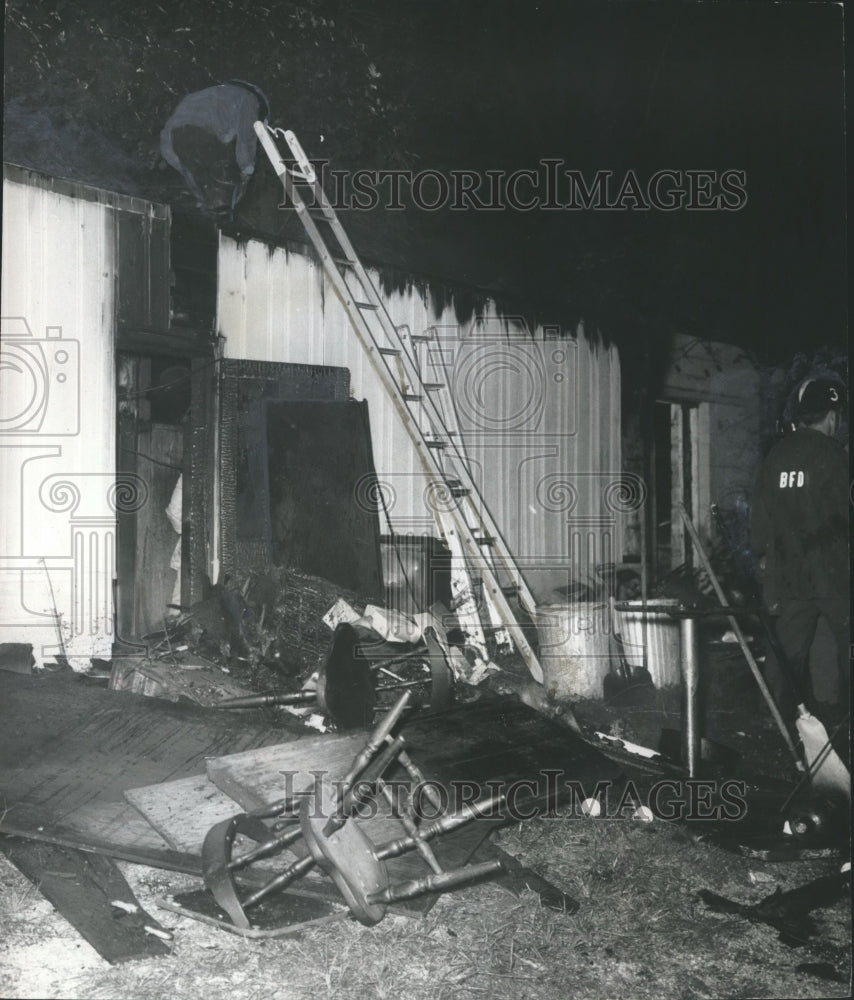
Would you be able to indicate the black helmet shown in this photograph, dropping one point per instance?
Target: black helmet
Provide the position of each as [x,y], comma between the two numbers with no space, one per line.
[816,397]
[263,103]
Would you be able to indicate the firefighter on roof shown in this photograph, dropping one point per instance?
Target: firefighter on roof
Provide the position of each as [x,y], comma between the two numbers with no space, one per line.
[211,133]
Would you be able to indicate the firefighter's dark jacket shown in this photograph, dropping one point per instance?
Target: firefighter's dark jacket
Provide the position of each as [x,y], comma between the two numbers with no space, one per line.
[799,518]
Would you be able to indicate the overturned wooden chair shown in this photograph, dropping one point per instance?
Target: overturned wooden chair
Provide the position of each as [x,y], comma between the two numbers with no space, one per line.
[319,827]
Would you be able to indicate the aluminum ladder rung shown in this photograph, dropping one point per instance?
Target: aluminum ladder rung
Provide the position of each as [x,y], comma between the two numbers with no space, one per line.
[371,338]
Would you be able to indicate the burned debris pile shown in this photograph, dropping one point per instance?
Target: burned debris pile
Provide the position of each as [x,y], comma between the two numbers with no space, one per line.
[286,638]
[255,633]
[267,629]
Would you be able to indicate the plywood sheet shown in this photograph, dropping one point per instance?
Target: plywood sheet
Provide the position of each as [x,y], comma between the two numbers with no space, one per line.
[183,811]
[259,777]
[68,751]
[322,521]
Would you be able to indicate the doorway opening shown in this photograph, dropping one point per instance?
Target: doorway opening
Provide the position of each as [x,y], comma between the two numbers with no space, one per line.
[679,473]
[153,395]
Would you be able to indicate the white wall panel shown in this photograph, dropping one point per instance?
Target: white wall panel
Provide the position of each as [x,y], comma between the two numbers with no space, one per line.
[540,412]
[57,420]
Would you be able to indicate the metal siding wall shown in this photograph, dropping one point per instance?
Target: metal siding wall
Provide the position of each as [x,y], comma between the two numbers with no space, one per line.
[57,457]
[545,476]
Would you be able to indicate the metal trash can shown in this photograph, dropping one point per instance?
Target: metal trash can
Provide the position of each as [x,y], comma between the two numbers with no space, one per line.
[575,648]
[661,637]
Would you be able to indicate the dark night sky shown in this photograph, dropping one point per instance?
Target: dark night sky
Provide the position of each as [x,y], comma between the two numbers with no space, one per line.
[631,86]
[647,87]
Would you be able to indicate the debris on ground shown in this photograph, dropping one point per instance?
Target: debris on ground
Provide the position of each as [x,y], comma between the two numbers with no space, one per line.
[271,637]
[256,632]
[788,912]
[204,684]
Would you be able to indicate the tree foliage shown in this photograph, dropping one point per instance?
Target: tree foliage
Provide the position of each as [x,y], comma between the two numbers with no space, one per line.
[121,69]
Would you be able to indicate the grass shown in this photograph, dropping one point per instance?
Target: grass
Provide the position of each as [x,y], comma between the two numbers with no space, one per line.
[16,900]
[639,932]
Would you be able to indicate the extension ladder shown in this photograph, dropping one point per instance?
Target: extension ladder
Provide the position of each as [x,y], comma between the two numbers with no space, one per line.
[463,583]
[461,512]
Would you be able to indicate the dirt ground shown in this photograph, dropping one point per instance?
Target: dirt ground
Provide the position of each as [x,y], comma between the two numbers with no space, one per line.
[640,930]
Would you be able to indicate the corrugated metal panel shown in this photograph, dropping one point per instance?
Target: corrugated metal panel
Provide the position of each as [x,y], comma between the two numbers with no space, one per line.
[57,436]
[540,411]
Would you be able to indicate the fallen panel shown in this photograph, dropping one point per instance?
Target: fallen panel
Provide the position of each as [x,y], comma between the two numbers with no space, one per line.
[87,890]
[69,751]
[62,836]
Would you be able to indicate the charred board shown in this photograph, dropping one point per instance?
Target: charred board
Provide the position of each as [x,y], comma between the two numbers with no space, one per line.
[93,896]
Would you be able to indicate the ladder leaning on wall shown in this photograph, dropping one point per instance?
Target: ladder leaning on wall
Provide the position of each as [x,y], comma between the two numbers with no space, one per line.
[461,511]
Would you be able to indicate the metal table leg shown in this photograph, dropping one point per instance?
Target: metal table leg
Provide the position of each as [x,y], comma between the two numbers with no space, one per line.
[690,667]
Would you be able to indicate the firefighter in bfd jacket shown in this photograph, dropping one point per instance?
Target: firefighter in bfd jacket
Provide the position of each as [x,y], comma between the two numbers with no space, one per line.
[799,535]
